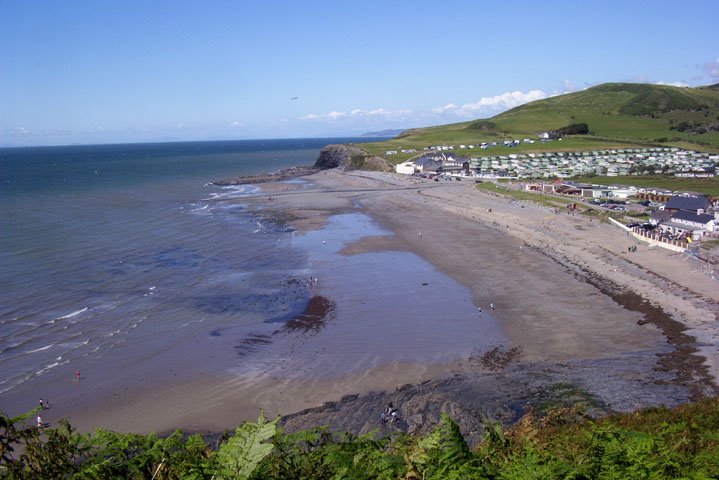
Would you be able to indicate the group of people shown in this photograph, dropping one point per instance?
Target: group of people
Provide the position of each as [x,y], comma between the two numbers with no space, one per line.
[390,414]
[491,307]
[43,405]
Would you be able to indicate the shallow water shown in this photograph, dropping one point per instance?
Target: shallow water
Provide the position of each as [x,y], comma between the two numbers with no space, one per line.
[160,276]
[113,256]
[370,310]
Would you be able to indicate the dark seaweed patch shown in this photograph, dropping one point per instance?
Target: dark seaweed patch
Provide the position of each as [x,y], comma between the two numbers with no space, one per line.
[318,312]
[252,342]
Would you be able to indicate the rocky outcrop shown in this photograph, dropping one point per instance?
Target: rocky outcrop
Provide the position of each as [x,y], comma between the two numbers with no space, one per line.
[349,157]
[285,174]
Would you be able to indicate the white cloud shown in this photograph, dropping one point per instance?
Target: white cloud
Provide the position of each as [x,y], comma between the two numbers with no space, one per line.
[359,118]
[672,84]
[357,113]
[237,124]
[21,132]
[566,86]
[447,108]
[711,69]
[95,131]
[485,106]
[491,105]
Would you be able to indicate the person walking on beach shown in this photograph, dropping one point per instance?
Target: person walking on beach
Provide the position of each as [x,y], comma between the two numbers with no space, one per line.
[77,375]
[39,421]
[42,404]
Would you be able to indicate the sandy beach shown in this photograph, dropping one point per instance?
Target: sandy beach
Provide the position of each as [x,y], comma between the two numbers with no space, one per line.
[561,299]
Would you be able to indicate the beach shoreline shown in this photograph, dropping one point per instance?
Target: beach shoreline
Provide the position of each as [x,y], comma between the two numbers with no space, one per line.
[673,305]
[572,306]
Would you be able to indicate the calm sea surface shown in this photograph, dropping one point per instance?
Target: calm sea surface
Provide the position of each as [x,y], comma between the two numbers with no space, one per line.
[110,250]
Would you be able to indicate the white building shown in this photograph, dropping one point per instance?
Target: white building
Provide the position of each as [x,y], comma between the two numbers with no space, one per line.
[408,168]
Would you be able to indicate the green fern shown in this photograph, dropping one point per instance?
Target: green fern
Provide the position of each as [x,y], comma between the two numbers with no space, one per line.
[440,453]
[239,457]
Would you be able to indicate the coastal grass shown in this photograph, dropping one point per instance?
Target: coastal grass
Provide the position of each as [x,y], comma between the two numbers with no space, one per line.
[706,186]
[540,198]
[563,442]
[579,143]
[553,201]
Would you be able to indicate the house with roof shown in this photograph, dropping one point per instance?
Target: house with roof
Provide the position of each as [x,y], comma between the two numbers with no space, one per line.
[685,215]
[691,203]
[684,223]
[428,164]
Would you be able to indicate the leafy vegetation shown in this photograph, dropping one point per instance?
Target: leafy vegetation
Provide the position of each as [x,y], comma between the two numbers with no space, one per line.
[484,125]
[573,129]
[656,443]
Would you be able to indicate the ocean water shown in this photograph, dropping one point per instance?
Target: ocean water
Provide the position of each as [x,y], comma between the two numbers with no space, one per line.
[113,255]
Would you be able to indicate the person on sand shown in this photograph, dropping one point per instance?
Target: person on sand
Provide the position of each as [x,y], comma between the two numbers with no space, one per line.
[39,420]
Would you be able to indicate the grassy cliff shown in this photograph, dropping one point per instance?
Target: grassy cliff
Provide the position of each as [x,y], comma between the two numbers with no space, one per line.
[617,115]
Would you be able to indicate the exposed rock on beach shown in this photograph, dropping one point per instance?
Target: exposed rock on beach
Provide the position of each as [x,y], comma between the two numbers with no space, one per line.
[285,174]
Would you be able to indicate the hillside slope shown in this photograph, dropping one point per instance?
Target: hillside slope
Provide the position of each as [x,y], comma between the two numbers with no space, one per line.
[617,114]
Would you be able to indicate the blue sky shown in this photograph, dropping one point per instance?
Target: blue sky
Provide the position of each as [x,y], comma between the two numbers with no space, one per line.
[125,71]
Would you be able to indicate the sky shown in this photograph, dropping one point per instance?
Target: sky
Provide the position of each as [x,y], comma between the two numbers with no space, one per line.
[107,71]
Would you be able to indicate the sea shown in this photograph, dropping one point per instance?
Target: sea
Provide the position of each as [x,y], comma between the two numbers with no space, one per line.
[106,246]
[123,265]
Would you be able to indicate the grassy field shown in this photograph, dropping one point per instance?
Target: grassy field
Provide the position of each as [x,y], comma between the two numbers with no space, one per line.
[553,201]
[546,200]
[618,115]
[706,186]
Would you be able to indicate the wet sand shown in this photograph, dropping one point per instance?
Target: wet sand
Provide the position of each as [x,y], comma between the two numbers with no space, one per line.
[634,329]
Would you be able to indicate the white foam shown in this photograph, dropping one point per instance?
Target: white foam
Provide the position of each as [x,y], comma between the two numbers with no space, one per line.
[234,191]
[73,314]
[70,346]
[49,367]
[41,348]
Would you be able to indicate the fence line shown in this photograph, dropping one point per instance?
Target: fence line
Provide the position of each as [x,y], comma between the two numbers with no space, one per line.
[652,238]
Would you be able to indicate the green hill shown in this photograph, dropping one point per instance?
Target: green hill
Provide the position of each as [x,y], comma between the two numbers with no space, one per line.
[616,114]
